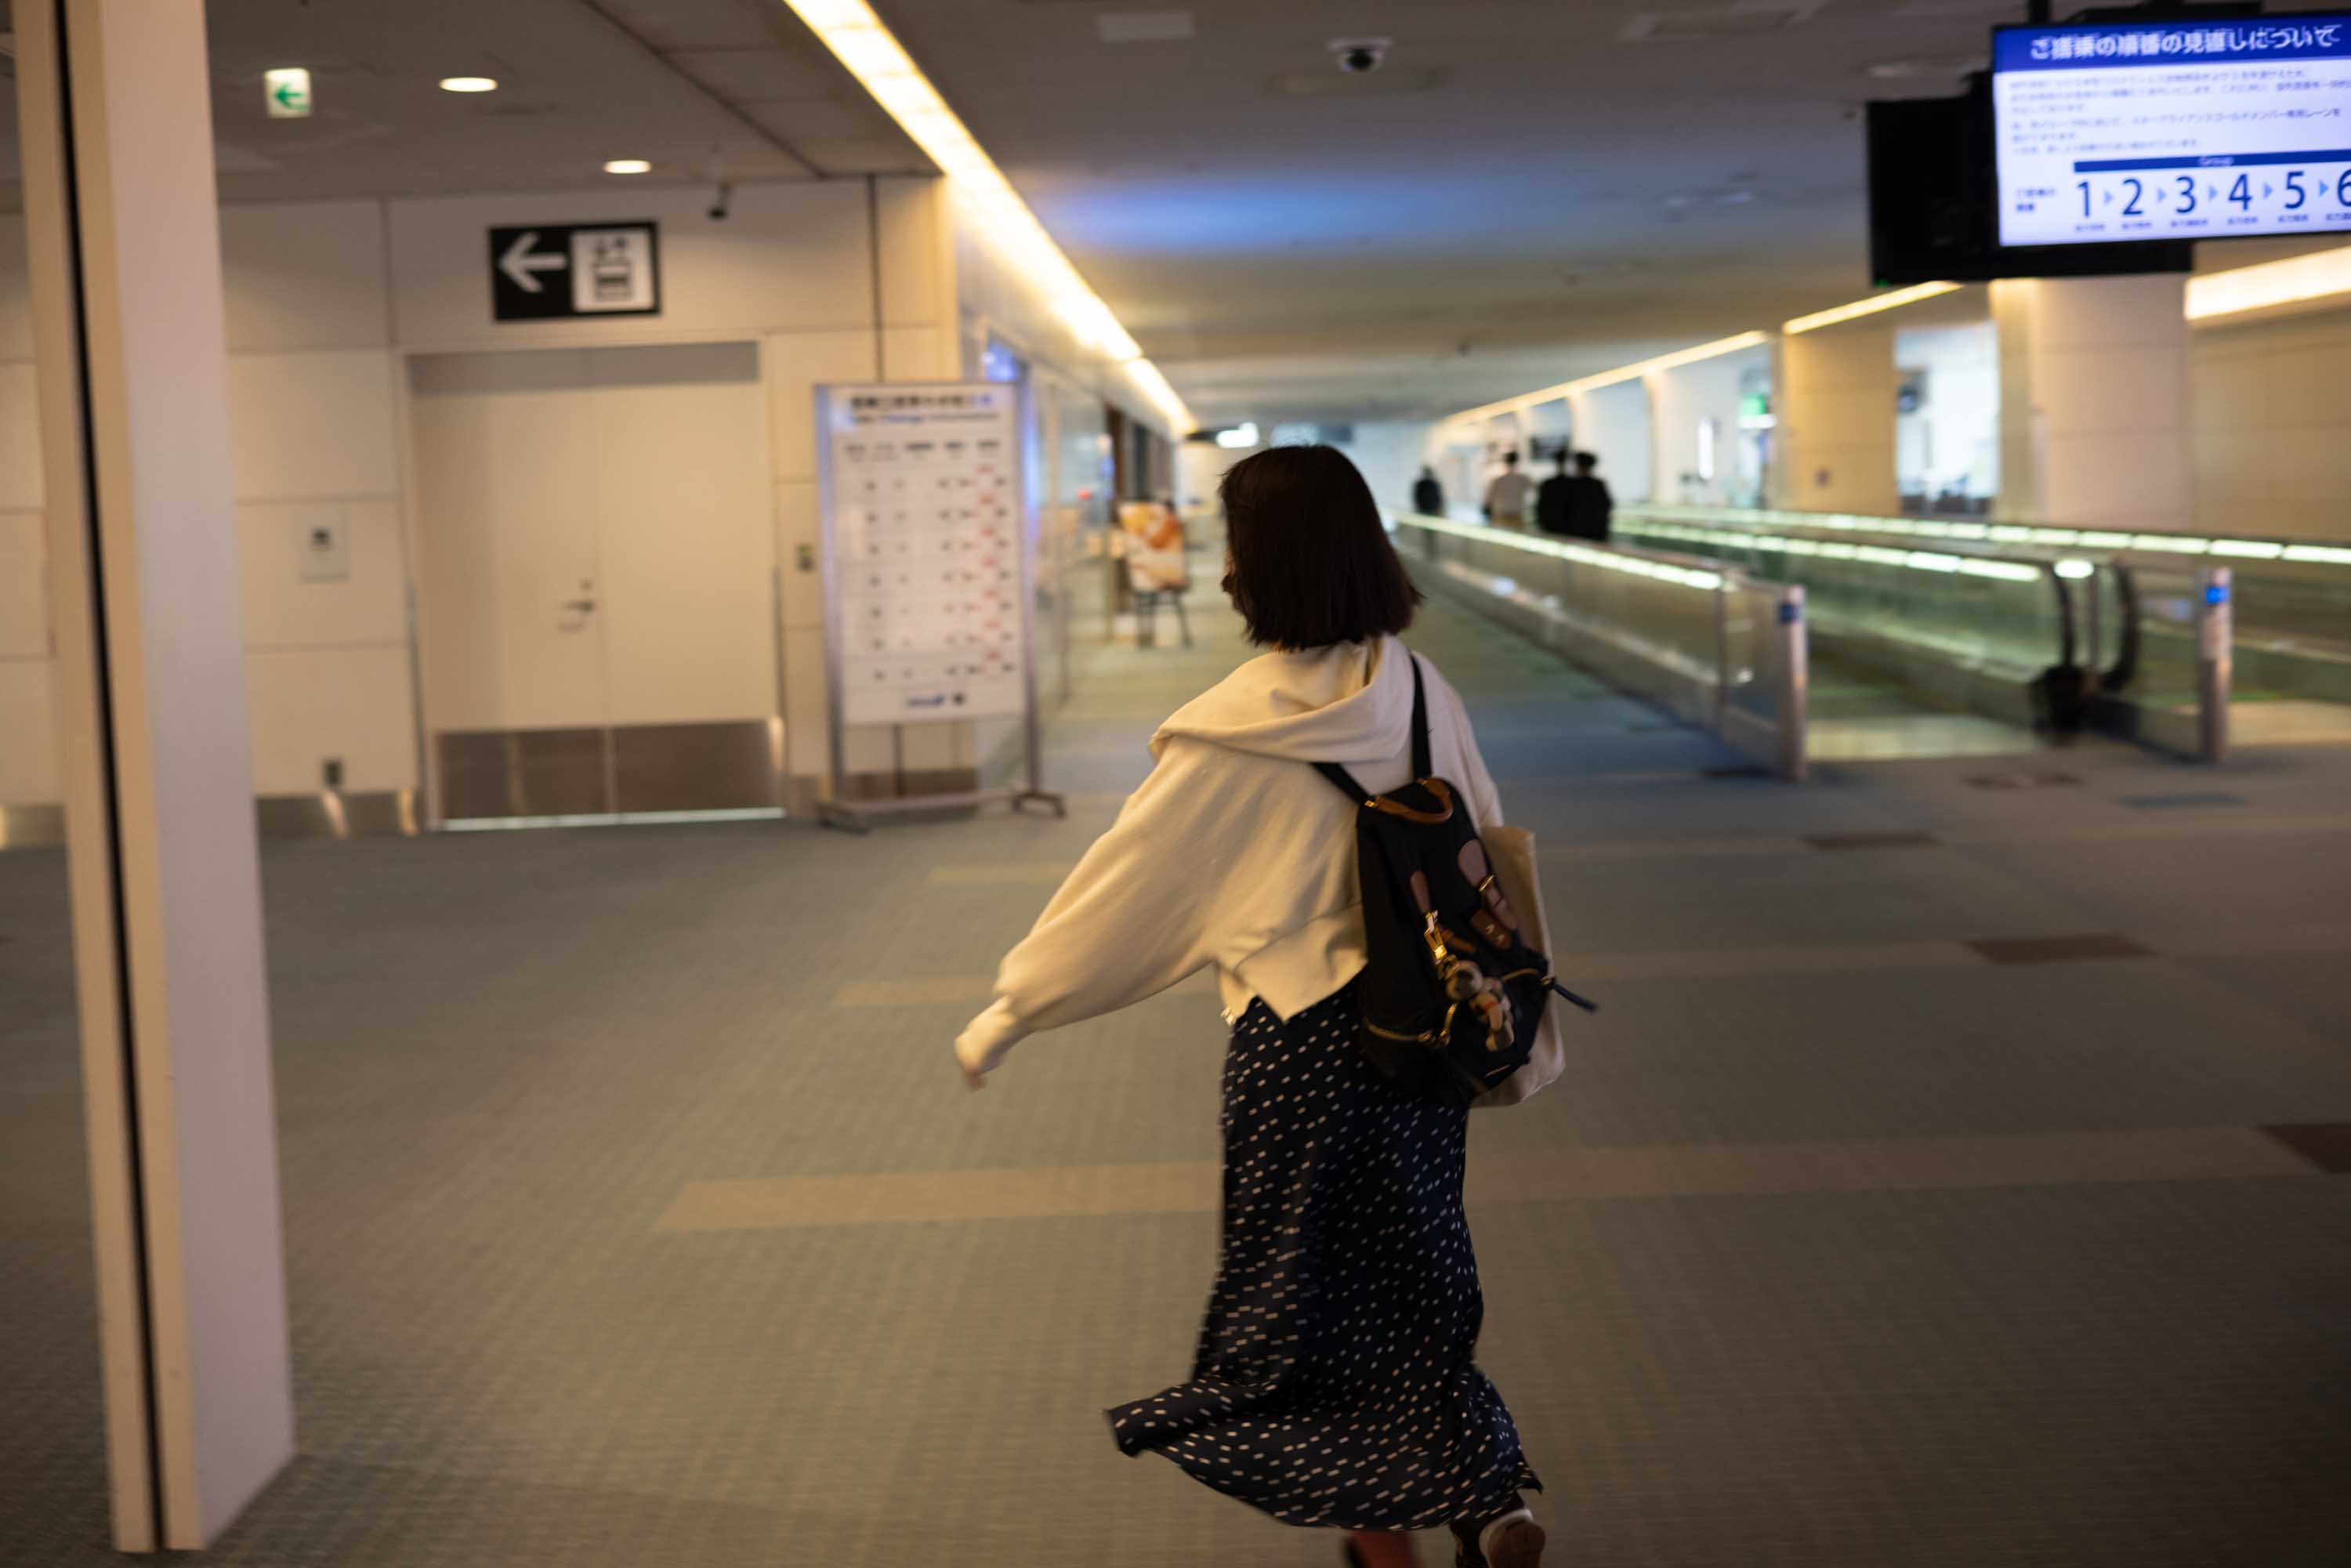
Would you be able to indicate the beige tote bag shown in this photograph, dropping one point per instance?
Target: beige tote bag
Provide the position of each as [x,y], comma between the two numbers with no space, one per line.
[1513,851]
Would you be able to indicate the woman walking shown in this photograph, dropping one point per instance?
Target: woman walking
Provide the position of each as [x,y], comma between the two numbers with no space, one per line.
[1334,1384]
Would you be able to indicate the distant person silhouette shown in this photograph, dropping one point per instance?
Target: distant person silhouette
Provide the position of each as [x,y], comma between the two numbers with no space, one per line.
[1507,498]
[1428,494]
[1576,506]
[1550,500]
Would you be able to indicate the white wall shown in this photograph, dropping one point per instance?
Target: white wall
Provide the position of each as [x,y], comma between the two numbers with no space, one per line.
[2272,426]
[1680,400]
[1614,423]
[1200,467]
[323,298]
[314,436]
[1389,455]
[1953,441]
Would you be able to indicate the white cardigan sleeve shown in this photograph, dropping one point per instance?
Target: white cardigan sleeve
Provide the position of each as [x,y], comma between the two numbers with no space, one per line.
[1131,920]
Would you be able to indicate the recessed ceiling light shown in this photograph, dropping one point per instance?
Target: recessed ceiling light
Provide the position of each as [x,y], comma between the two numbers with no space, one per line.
[627,166]
[469,84]
[1143,26]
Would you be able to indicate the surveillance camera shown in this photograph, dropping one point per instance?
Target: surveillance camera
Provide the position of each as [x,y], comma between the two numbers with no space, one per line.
[722,202]
[1356,55]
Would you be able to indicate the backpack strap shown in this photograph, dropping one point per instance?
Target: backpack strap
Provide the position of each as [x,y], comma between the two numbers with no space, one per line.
[1345,780]
[1422,767]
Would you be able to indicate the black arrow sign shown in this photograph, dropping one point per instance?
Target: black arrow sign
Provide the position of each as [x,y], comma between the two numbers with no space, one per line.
[533,266]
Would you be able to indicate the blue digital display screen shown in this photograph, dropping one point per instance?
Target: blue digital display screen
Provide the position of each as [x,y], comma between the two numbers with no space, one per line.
[2173,130]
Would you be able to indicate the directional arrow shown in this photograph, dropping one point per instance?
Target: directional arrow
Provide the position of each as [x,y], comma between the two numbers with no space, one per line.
[2110,198]
[2268,189]
[518,262]
[287,94]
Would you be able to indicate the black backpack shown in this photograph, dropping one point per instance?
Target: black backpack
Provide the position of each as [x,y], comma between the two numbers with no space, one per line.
[1451,992]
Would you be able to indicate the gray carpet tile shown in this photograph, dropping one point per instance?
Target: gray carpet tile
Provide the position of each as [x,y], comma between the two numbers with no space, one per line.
[502,1057]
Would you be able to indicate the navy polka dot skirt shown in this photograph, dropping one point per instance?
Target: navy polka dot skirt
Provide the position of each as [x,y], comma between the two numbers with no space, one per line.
[1336,1383]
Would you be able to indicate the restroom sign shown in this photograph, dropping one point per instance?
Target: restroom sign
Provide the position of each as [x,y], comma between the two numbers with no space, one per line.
[575,269]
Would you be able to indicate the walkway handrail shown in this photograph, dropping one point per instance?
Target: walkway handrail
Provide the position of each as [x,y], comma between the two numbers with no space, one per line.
[1707,643]
[2040,536]
[2178,711]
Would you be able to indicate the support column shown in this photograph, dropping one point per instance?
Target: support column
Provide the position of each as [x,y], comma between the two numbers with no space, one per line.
[124,261]
[1834,393]
[2094,403]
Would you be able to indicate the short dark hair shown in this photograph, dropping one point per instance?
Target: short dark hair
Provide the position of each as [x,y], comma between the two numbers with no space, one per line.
[1312,564]
[1586,460]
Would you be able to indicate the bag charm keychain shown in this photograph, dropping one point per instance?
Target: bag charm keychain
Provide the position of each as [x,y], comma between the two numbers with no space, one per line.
[1465,982]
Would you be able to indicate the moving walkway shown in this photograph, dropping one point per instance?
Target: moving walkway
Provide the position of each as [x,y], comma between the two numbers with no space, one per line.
[1803,637]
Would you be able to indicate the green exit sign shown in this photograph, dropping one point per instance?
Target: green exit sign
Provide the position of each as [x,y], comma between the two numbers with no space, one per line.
[287,92]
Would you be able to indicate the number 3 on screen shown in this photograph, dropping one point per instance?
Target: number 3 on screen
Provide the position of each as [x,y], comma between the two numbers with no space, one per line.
[2187,195]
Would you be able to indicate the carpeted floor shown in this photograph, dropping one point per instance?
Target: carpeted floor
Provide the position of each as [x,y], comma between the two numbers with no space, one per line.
[1944,1183]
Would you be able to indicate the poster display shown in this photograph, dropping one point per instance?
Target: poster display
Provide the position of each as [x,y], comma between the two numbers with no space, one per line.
[1157,560]
[924,538]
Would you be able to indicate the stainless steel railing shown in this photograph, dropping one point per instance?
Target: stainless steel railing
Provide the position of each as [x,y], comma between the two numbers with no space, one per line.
[2137,600]
[1708,644]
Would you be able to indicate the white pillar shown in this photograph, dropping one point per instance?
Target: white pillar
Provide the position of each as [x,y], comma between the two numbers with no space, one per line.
[2094,400]
[124,261]
[1835,396]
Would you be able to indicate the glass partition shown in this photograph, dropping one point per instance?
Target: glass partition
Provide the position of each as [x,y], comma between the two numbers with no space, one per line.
[2291,597]
[1757,670]
[1644,603]
[52,1435]
[1680,632]
[2153,676]
[1985,608]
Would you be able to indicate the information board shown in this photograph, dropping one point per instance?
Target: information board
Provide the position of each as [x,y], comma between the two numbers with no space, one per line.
[2173,130]
[924,551]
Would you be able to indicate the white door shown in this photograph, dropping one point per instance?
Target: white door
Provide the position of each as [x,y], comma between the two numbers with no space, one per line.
[597,580]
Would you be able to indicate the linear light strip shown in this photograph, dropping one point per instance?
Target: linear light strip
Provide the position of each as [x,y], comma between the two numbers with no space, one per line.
[2318,275]
[1672,513]
[2323,275]
[1610,561]
[1720,346]
[872,53]
[1876,555]
[1893,299]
